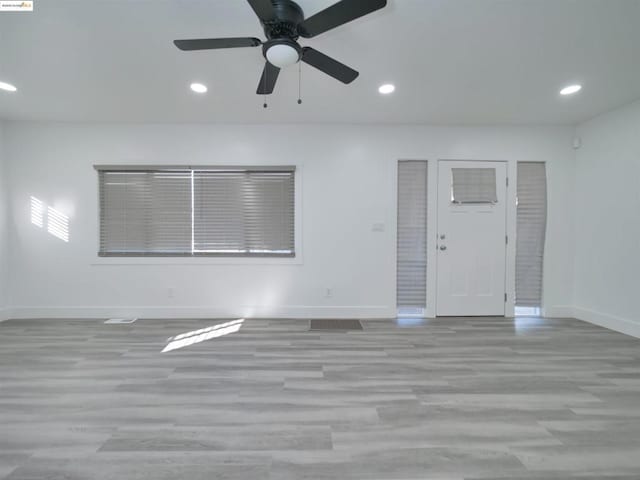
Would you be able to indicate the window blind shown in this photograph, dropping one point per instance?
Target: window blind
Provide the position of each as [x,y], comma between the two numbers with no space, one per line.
[473,185]
[531,230]
[182,211]
[412,235]
[244,212]
[145,213]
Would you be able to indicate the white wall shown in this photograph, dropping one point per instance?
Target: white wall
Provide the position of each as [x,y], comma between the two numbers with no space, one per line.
[348,183]
[607,220]
[4,236]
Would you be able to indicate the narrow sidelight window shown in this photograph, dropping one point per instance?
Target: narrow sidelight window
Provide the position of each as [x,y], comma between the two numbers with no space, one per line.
[531,230]
[412,237]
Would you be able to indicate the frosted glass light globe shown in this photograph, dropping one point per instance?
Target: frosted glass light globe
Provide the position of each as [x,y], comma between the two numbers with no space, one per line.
[282,56]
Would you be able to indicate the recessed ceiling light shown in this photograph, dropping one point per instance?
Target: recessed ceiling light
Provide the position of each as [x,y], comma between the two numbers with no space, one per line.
[7,86]
[571,89]
[199,88]
[387,88]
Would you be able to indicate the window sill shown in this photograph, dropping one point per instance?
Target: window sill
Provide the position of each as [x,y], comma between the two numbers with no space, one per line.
[195,261]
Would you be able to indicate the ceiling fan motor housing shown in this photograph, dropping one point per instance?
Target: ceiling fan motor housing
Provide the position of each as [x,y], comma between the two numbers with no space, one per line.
[287,17]
[281,48]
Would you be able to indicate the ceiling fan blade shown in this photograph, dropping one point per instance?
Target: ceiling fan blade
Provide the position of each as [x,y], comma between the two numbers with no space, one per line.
[338,14]
[213,43]
[263,8]
[328,65]
[268,79]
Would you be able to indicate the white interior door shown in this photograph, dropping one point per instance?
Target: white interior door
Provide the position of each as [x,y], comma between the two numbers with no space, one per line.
[471,238]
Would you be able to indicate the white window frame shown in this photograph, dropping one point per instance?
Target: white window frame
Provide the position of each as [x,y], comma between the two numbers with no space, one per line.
[298,259]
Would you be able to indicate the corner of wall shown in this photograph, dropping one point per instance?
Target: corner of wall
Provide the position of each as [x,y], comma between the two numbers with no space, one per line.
[4,229]
[604,279]
[558,311]
[572,208]
[612,322]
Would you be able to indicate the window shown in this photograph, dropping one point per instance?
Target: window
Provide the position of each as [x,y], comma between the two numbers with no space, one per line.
[531,227]
[199,211]
[411,282]
[473,185]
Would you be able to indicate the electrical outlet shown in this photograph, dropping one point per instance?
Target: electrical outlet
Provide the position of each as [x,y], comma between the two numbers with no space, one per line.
[328,292]
[171,292]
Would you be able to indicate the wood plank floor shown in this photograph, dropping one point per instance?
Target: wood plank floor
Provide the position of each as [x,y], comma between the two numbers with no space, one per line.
[484,398]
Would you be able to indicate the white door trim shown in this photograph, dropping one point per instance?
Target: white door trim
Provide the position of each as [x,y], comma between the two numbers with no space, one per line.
[432,229]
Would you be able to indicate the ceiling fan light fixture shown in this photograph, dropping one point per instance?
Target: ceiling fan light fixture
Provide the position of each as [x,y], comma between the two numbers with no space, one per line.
[282,55]
[284,22]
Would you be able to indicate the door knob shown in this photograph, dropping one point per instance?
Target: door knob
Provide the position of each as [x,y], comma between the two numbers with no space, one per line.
[443,247]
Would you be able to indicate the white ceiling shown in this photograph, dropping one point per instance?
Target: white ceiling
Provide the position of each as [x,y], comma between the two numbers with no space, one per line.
[453,61]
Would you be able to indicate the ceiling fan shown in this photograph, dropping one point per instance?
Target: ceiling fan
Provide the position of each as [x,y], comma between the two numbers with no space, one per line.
[283,22]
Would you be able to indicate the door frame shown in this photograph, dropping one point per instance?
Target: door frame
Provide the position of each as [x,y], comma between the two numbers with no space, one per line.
[432,229]
[496,306]
[432,226]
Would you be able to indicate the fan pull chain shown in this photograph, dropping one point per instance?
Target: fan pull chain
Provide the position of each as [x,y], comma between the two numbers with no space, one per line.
[299,83]
[264,87]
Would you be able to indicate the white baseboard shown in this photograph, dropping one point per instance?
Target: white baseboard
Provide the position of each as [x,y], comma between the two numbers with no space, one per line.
[619,324]
[293,311]
[623,325]
[558,311]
